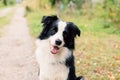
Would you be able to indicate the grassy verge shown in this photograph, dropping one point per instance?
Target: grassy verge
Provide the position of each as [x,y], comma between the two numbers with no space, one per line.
[1,5]
[98,56]
[97,50]
[5,20]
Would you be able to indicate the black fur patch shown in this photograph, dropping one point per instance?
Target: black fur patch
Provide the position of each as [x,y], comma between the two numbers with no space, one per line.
[70,65]
[69,35]
[48,23]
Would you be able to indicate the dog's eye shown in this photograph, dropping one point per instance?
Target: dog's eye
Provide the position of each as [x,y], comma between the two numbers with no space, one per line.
[65,34]
[53,32]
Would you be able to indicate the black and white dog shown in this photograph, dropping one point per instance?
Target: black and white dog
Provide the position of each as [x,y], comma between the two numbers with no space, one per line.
[55,47]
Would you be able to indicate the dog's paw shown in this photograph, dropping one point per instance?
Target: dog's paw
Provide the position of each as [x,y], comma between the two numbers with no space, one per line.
[80,78]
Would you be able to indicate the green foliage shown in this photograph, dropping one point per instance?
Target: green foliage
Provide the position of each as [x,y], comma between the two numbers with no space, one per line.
[78,3]
[52,2]
[11,2]
[109,12]
[34,23]
[7,2]
[3,21]
[6,19]
[35,5]
[1,4]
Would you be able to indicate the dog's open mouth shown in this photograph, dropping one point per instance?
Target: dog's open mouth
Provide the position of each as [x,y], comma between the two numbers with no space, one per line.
[54,49]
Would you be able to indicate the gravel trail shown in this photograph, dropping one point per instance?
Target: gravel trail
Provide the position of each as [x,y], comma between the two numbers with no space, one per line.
[17,58]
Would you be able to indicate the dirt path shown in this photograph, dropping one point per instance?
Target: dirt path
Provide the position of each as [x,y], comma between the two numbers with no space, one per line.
[17,58]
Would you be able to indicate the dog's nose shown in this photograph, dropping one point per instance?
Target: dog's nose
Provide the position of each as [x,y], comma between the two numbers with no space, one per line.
[58,42]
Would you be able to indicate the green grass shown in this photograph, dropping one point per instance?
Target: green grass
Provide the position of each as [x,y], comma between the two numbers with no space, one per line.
[5,20]
[34,24]
[97,51]
[9,3]
[98,56]
[1,5]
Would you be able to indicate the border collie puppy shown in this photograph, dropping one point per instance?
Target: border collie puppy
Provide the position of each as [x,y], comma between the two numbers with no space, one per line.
[55,47]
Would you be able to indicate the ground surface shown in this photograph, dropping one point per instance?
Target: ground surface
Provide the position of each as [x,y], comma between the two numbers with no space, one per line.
[17,58]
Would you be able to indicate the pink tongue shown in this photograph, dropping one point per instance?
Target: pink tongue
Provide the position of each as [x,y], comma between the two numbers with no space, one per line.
[54,49]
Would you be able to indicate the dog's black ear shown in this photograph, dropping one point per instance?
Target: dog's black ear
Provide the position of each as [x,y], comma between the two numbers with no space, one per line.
[72,30]
[75,29]
[47,20]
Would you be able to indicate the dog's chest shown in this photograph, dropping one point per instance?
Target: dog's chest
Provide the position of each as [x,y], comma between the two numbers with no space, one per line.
[52,67]
[54,71]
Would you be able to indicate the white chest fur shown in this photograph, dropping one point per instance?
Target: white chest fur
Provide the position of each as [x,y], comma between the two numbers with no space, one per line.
[52,66]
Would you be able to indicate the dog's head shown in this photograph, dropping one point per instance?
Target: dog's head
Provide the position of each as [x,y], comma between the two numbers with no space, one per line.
[59,33]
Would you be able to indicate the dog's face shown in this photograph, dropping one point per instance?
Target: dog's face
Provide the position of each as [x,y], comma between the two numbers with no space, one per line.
[60,34]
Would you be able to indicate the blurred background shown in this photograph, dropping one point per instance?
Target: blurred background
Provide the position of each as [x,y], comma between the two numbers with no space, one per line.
[93,15]
[98,49]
